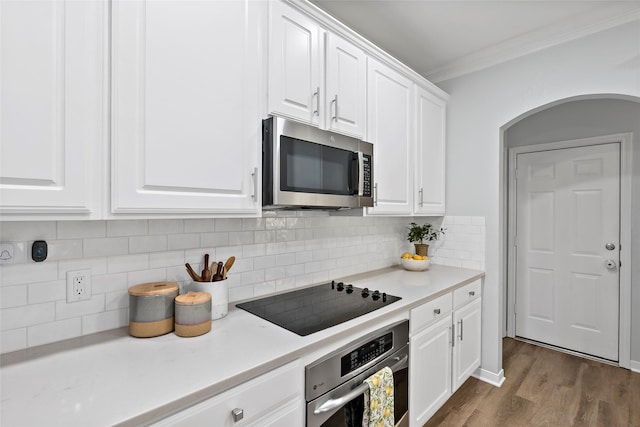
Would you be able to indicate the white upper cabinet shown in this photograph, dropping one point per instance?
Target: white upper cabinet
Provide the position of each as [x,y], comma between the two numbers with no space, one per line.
[295,64]
[315,76]
[346,69]
[389,128]
[430,122]
[185,107]
[52,108]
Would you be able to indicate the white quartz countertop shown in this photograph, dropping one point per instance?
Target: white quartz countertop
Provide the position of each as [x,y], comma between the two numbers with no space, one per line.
[112,378]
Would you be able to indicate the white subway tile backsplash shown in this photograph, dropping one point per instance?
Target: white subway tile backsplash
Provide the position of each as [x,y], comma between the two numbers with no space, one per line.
[127,228]
[105,246]
[47,291]
[27,315]
[146,244]
[279,252]
[54,331]
[13,296]
[12,340]
[81,229]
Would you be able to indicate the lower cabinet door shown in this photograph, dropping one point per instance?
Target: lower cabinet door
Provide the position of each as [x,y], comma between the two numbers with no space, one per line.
[430,371]
[466,351]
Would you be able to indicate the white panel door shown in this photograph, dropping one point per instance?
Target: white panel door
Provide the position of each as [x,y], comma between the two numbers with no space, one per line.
[52,106]
[430,382]
[186,96]
[389,101]
[295,63]
[467,322]
[429,187]
[568,204]
[346,71]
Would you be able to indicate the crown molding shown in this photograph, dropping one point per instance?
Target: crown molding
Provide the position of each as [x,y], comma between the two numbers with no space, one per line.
[583,25]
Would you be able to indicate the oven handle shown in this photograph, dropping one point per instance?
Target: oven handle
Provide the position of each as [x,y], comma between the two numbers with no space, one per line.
[336,403]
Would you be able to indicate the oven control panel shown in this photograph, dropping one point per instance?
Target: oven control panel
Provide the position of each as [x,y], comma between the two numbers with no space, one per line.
[366,353]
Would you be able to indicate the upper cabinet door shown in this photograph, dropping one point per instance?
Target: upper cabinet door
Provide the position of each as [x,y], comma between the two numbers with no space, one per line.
[389,121]
[186,126]
[52,108]
[430,153]
[346,71]
[295,63]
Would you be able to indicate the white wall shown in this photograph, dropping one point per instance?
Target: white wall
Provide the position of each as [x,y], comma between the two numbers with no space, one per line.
[483,102]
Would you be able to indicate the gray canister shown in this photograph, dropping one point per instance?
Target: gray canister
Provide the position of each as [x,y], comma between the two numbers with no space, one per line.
[151,308]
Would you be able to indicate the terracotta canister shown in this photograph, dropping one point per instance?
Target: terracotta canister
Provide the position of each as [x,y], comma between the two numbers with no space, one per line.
[193,314]
[151,308]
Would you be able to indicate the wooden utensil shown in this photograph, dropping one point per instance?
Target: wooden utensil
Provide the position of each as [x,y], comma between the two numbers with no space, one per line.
[218,276]
[206,273]
[193,273]
[228,265]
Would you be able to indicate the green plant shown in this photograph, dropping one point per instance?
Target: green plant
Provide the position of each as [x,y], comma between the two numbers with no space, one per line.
[420,233]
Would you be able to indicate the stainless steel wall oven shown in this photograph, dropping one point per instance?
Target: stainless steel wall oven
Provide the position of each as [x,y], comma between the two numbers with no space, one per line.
[334,384]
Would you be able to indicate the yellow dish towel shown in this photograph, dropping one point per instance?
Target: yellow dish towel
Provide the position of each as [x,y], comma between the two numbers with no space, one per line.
[378,400]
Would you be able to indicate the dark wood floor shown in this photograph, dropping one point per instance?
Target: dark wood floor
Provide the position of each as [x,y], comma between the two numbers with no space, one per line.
[546,388]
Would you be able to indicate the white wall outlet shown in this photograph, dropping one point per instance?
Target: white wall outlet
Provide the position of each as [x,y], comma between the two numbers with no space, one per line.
[78,285]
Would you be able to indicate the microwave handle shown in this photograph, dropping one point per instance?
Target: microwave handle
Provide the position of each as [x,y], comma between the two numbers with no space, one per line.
[330,404]
[360,173]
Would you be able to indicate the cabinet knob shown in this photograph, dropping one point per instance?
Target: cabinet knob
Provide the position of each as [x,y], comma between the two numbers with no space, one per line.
[436,311]
[237,414]
[472,293]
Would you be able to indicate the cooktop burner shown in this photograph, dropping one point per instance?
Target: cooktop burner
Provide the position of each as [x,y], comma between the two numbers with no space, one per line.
[309,310]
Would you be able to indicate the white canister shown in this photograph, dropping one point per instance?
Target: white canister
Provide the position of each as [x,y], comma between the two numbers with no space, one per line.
[219,296]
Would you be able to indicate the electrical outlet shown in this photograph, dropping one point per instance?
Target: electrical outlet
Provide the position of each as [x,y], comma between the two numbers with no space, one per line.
[78,285]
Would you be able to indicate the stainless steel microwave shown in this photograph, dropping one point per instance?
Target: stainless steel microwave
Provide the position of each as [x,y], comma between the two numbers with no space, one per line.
[306,167]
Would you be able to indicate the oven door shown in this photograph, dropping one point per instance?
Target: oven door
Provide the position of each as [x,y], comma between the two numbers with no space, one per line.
[343,406]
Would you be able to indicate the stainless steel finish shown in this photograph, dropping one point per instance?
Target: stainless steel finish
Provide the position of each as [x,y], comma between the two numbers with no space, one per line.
[360,174]
[335,102]
[461,329]
[421,196]
[401,362]
[610,264]
[472,293]
[237,414]
[375,194]
[453,335]
[436,311]
[316,95]
[323,375]
[610,246]
[254,175]
[284,127]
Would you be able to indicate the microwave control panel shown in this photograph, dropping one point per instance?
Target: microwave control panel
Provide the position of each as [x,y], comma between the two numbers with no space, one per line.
[367,176]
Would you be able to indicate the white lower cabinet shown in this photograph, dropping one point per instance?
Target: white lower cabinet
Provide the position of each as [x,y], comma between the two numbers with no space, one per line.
[445,349]
[273,399]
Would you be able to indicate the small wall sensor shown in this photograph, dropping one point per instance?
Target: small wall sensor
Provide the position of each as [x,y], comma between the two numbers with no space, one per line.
[39,251]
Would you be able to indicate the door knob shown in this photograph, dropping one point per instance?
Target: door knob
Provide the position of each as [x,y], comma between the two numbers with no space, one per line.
[610,246]
[610,264]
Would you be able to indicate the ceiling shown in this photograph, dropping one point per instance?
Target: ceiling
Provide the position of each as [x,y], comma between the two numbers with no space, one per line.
[441,39]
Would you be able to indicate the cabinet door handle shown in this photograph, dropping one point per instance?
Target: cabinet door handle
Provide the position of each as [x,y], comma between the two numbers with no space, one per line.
[375,194]
[453,335]
[421,197]
[472,293]
[254,175]
[461,329]
[335,103]
[238,414]
[317,96]
[436,311]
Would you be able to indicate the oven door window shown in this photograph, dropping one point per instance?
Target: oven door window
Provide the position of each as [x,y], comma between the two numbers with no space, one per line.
[350,415]
[306,167]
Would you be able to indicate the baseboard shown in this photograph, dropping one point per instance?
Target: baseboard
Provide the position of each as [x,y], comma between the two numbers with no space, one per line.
[490,377]
[634,365]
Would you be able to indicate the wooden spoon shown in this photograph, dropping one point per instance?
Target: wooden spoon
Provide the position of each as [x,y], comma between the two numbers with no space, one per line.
[193,273]
[228,265]
[206,273]
[218,276]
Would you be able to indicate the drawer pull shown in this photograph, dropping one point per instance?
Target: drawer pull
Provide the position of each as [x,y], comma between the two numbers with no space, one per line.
[436,311]
[238,414]
[472,293]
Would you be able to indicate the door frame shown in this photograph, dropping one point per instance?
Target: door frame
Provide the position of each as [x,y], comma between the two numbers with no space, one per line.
[626,154]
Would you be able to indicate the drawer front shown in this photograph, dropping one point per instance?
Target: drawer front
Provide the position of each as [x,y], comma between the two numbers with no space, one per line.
[467,293]
[429,312]
[256,398]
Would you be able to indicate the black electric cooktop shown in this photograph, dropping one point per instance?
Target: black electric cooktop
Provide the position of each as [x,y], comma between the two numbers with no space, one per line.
[313,309]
